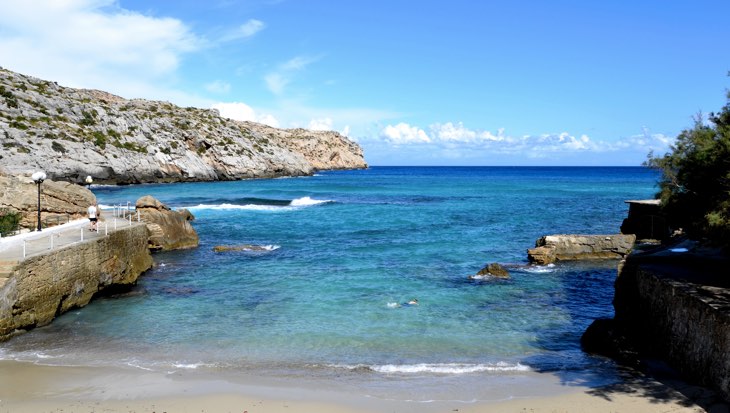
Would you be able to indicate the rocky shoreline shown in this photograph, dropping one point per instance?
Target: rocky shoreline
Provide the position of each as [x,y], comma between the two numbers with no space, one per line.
[74,133]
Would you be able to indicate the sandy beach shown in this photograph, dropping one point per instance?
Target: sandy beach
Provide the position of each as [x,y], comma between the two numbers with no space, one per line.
[26,387]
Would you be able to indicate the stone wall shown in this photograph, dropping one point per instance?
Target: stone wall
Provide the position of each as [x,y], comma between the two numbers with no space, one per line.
[675,305]
[41,287]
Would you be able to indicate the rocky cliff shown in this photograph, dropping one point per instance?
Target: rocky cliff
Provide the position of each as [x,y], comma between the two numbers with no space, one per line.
[60,201]
[72,133]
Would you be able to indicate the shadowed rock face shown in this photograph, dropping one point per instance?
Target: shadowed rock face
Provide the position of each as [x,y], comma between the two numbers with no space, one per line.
[553,248]
[60,201]
[72,133]
[672,303]
[169,230]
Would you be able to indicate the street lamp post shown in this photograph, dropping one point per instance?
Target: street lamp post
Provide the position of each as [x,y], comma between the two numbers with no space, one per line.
[38,178]
[89,180]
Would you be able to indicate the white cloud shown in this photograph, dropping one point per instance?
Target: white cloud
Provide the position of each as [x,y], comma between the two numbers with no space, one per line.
[449,132]
[278,79]
[403,133]
[452,139]
[243,112]
[276,82]
[88,43]
[243,31]
[320,124]
[218,87]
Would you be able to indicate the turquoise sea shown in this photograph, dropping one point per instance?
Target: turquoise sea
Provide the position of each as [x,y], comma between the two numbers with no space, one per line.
[341,253]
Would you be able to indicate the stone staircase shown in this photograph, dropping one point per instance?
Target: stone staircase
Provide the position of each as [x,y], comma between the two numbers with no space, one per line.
[7,268]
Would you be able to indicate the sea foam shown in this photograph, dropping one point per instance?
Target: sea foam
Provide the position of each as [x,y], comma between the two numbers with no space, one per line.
[293,205]
[438,368]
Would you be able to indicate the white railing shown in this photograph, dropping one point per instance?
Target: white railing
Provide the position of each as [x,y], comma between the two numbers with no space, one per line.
[57,237]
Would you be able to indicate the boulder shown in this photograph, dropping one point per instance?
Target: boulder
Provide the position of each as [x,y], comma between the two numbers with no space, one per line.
[604,337]
[169,230]
[553,248]
[491,270]
[60,201]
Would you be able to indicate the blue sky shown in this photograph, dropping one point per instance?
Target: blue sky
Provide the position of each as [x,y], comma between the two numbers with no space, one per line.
[457,82]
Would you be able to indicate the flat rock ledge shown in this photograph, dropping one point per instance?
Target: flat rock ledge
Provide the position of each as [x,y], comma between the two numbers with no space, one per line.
[551,248]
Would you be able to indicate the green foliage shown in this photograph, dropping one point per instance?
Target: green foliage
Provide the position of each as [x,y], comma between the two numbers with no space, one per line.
[88,119]
[18,125]
[10,99]
[695,184]
[9,221]
[129,146]
[113,133]
[99,139]
[56,146]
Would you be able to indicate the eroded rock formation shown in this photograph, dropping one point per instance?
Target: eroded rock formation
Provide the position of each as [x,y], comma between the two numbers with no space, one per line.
[169,230]
[60,201]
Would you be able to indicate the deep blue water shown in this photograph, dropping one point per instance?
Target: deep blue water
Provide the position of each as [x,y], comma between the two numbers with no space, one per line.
[342,252]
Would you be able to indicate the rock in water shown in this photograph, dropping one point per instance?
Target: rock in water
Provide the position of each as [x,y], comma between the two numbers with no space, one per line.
[169,230]
[491,270]
[551,248]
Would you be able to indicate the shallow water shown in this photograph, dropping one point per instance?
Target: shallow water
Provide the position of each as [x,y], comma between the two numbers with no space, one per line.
[343,252]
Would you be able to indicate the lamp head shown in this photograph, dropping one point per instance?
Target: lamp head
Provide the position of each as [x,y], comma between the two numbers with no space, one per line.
[89,180]
[38,177]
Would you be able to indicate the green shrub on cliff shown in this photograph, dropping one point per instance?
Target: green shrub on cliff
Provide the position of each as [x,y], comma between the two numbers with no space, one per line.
[9,221]
[695,184]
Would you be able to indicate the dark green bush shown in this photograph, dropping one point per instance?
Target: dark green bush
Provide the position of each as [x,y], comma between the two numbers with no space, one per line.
[56,146]
[695,183]
[9,221]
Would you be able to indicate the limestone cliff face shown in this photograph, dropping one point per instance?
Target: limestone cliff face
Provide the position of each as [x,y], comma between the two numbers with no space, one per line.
[60,201]
[72,133]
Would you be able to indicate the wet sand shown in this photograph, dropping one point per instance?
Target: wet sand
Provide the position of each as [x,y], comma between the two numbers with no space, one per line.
[27,388]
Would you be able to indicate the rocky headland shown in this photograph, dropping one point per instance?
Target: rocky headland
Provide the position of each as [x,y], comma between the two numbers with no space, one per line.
[73,133]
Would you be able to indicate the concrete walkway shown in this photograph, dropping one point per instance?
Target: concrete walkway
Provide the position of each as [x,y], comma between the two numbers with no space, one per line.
[18,247]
